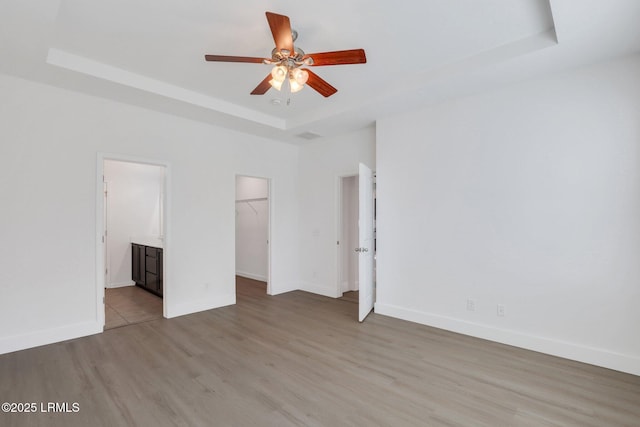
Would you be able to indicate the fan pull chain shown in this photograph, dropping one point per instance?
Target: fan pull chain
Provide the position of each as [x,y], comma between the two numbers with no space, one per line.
[288,92]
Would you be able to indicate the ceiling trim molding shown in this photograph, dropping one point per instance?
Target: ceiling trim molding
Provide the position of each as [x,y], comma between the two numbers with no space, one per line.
[497,55]
[80,64]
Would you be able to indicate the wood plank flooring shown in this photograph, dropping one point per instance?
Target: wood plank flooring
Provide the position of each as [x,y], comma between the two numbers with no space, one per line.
[351,296]
[129,305]
[299,359]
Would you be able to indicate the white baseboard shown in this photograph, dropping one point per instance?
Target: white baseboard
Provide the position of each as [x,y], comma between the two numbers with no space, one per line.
[593,356]
[121,284]
[252,276]
[320,290]
[48,336]
[344,286]
[200,305]
[278,288]
[350,287]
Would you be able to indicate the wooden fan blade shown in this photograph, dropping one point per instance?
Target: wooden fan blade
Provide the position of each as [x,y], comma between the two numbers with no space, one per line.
[263,87]
[281,30]
[338,57]
[320,85]
[226,58]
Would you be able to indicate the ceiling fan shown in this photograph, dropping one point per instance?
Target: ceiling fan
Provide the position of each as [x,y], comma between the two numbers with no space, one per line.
[289,60]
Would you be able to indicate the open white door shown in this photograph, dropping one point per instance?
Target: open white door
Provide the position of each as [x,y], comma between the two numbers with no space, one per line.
[105,234]
[365,241]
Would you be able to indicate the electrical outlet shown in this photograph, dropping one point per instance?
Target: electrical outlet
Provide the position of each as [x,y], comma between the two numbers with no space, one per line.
[500,310]
[471,305]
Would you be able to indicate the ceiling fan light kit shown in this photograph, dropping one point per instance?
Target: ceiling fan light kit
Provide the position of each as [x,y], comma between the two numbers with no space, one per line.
[287,61]
[297,78]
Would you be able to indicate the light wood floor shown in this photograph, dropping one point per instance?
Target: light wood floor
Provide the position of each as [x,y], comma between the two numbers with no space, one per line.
[129,305]
[301,359]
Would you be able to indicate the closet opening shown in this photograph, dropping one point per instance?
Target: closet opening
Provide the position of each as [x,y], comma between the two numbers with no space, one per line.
[348,260]
[252,234]
[356,239]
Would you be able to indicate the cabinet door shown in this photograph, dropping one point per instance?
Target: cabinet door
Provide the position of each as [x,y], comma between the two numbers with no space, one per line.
[160,272]
[137,263]
[141,260]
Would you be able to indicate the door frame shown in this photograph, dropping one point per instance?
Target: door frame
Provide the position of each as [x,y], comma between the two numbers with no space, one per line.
[101,224]
[269,220]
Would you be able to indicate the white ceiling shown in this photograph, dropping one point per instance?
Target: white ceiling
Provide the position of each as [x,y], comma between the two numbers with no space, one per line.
[151,53]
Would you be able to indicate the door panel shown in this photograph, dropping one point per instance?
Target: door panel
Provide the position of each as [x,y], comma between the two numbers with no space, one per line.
[365,241]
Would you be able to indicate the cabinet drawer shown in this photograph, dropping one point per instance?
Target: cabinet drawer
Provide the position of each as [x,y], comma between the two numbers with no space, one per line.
[152,252]
[152,265]
[151,281]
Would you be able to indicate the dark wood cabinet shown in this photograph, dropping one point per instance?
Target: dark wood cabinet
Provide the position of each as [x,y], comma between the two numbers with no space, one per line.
[138,263]
[160,272]
[146,267]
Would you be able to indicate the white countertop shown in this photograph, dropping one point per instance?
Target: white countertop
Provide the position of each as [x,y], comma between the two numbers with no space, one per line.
[155,242]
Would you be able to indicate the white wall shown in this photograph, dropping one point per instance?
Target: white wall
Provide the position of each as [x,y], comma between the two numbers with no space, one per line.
[321,165]
[529,197]
[526,196]
[349,234]
[134,205]
[252,227]
[48,179]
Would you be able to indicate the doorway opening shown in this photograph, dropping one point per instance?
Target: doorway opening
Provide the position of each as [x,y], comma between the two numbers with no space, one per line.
[356,240]
[348,264]
[132,244]
[253,254]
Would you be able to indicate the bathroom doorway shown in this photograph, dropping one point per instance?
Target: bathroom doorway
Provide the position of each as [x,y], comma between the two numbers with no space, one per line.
[132,244]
